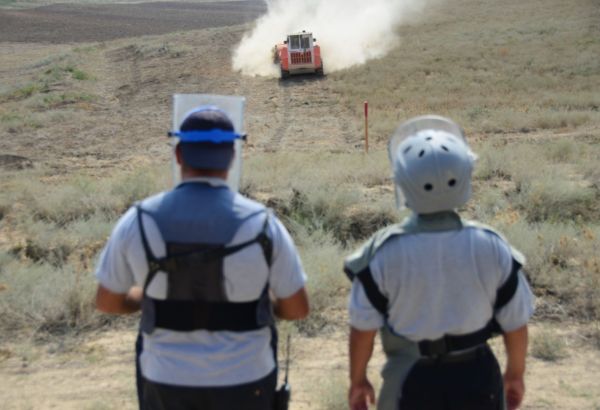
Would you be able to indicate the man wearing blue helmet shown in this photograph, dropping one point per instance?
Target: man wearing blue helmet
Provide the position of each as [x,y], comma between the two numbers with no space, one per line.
[210,269]
[437,287]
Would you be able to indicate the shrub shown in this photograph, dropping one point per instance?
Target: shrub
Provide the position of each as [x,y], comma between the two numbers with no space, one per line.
[61,227]
[548,346]
[80,75]
[562,265]
[551,197]
[348,194]
[21,92]
[327,285]
[40,296]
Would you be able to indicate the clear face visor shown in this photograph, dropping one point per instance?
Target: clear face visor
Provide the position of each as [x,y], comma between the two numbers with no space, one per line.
[183,104]
[411,128]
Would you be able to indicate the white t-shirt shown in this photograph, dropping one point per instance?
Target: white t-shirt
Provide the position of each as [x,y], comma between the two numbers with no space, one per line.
[204,358]
[441,283]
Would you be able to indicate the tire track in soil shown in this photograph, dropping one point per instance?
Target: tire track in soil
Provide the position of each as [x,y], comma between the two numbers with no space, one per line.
[129,77]
[307,116]
[282,119]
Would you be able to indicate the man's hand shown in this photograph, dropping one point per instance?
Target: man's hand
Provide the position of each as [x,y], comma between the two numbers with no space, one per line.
[118,303]
[361,394]
[514,388]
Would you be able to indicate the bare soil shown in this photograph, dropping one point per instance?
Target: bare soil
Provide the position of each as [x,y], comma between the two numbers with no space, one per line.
[97,372]
[75,23]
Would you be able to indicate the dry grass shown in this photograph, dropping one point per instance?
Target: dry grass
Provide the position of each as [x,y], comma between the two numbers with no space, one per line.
[56,230]
[49,91]
[548,346]
[339,200]
[494,67]
[349,195]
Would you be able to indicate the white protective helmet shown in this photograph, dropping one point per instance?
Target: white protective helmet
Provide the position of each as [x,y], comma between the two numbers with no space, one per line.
[432,164]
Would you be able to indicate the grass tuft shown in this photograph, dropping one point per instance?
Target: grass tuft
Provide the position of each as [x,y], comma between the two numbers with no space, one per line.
[548,346]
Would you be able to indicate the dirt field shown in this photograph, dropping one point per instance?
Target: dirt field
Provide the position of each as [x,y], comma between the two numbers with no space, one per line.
[135,57]
[69,23]
[96,372]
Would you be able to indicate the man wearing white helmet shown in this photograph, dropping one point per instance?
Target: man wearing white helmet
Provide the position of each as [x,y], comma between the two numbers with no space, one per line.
[437,288]
[209,268]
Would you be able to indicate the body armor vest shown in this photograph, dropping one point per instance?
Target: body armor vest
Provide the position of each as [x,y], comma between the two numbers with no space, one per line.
[195,249]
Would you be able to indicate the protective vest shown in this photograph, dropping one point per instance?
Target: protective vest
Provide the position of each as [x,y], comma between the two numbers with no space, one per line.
[196,298]
[356,267]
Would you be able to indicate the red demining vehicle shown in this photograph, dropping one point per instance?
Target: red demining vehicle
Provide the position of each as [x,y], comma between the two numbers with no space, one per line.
[298,55]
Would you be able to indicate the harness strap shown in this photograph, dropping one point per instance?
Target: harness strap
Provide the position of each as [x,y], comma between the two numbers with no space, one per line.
[187,316]
[452,343]
[504,294]
[508,289]
[377,299]
[153,261]
[265,242]
[170,263]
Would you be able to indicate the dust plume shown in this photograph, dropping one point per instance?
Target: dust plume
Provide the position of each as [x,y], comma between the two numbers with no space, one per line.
[349,32]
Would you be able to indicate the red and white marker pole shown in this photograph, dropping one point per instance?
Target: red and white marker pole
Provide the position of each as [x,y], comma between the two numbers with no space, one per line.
[366,126]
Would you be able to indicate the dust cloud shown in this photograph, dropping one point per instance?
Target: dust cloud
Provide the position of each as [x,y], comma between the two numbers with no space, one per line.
[350,32]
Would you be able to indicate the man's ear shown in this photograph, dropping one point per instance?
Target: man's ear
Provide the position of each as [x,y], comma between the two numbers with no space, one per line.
[178,155]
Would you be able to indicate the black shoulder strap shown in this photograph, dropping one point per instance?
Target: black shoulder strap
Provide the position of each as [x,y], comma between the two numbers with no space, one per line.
[265,242]
[504,294]
[262,239]
[508,289]
[377,299]
[147,250]
[153,261]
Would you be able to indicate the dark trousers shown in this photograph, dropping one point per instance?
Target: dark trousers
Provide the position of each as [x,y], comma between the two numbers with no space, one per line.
[139,380]
[474,383]
[256,395]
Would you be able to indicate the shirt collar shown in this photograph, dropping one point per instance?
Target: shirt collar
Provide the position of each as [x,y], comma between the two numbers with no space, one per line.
[212,181]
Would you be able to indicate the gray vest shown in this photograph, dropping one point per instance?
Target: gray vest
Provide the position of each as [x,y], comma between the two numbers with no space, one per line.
[196,222]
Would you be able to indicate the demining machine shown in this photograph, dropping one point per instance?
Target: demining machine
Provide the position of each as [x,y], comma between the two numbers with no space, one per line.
[299,54]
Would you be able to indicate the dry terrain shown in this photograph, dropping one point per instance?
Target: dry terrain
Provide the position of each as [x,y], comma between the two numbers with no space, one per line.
[85,91]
